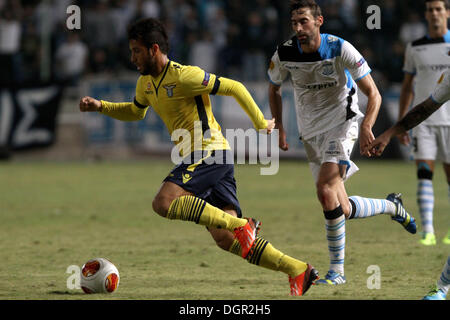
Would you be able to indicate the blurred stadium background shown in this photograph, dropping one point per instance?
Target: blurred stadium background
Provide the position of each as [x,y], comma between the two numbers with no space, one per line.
[46,68]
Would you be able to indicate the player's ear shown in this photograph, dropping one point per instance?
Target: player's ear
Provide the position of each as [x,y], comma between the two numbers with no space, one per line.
[319,21]
[154,49]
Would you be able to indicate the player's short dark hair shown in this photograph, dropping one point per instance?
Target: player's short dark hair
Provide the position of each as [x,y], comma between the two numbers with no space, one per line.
[149,31]
[446,3]
[310,4]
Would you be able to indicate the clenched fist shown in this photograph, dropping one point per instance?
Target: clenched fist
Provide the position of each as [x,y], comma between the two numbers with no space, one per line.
[90,104]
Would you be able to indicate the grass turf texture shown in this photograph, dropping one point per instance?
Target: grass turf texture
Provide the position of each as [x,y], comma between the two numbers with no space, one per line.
[59,214]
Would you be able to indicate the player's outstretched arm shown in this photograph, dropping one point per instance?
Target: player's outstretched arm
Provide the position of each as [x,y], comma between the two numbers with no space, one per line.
[415,116]
[125,111]
[238,91]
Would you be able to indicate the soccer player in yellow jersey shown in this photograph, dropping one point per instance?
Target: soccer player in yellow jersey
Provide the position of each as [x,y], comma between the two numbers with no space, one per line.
[198,189]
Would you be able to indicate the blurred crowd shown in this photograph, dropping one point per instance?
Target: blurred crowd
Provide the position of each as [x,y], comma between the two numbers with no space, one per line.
[232,38]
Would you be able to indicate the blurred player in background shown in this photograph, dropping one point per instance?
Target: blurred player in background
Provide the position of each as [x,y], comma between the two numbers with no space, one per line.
[202,188]
[326,72]
[418,114]
[425,59]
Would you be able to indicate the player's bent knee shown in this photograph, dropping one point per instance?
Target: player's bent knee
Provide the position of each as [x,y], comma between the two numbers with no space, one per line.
[324,193]
[161,205]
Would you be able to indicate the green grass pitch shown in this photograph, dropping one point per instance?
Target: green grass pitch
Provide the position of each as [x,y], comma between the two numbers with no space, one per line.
[54,215]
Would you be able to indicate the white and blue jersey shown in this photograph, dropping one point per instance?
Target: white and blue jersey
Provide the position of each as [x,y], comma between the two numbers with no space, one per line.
[426,59]
[324,82]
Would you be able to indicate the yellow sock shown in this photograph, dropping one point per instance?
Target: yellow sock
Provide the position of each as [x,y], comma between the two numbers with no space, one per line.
[265,255]
[191,208]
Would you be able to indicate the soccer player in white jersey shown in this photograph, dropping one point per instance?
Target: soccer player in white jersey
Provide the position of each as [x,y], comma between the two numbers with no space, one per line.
[419,113]
[425,59]
[326,72]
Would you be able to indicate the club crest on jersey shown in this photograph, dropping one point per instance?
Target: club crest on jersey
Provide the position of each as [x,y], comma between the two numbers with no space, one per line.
[169,89]
[327,68]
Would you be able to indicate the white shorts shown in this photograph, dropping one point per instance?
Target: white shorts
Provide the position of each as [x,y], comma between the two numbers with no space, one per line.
[431,143]
[335,146]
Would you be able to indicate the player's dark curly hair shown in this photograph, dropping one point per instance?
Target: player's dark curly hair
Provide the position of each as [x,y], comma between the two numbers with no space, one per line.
[311,4]
[149,31]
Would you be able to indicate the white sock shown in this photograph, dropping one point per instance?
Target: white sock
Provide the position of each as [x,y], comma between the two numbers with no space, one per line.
[336,242]
[444,280]
[367,207]
[425,200]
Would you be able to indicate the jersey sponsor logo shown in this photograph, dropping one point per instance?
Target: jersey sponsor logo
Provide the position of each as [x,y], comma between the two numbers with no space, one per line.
[434,67]
[319,86]
[327,68]
[169,89]
[206,79]
[291,67]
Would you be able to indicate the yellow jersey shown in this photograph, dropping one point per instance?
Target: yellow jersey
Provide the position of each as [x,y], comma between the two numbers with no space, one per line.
[180,96]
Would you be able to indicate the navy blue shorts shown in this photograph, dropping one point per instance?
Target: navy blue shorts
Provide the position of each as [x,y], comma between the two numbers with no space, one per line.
[213,182]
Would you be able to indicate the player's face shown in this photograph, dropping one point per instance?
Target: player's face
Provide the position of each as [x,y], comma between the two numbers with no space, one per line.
[141,57]
[305,26]
[436,14]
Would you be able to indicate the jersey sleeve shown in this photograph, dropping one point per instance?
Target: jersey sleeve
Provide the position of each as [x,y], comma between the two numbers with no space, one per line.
[238,91]
[441,93]
[277,74]
[194,81]
[408,64]
[128,111]
[354,62]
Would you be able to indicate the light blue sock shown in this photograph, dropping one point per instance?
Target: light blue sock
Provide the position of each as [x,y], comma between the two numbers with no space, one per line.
[335,227]
[367,207]
[444,280]
[425,201]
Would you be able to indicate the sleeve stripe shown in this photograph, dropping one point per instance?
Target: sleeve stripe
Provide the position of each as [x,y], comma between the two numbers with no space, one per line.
[216,86]
[141,106]
[370,70]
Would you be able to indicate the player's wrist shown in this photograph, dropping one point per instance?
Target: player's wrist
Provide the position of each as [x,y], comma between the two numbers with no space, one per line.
[100,106]
[366,127]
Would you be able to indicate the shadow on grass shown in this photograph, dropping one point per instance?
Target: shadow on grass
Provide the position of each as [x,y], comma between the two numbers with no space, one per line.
[67,293]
